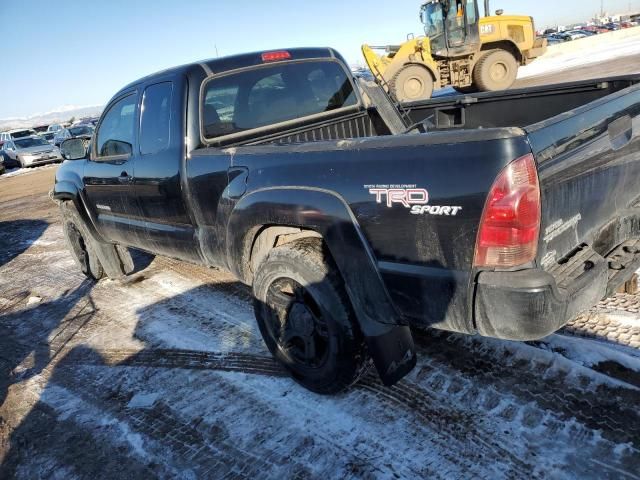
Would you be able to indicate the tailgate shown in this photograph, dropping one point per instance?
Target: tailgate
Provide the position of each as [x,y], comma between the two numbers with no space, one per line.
[589,169]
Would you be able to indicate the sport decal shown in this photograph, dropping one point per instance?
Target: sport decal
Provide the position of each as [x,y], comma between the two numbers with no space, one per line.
[411,197]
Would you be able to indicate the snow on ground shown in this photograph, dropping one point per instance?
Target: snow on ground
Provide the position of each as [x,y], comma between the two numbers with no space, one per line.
[585,51]
[164,374]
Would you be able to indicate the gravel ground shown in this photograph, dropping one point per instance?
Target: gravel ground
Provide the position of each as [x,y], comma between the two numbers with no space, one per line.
[165,375]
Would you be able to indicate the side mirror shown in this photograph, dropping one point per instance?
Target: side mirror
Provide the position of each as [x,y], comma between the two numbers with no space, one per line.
[74,148]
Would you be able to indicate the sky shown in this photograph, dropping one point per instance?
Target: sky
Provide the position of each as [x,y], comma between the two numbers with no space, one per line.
[65,52]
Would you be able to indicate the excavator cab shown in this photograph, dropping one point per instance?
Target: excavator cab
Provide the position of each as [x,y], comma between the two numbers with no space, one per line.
[452,27]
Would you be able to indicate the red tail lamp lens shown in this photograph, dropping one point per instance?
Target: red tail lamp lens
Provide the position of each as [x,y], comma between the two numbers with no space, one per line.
[510,225]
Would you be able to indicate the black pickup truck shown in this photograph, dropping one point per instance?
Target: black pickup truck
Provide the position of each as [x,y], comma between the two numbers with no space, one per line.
[501,214]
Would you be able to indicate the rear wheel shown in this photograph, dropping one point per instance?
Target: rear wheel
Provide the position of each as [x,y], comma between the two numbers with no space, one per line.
[495,70]
[306,319]
[412,83]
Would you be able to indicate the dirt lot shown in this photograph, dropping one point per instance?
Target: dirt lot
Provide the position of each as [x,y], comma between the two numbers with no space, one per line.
[165,375]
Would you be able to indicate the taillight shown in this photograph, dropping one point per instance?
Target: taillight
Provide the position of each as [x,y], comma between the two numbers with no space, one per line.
[510,226]
[276,56]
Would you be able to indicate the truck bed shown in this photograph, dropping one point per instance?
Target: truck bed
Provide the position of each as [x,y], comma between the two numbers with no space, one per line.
[513,108]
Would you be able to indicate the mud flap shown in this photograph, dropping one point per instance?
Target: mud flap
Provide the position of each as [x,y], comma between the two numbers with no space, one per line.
[393,353]
[115,260]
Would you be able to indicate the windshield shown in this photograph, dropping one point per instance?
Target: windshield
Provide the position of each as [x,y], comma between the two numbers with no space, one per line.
[30,142]
[22,133]
[80,131]
[433,19]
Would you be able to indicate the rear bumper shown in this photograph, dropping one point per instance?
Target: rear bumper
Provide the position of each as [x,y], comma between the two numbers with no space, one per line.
[531,304]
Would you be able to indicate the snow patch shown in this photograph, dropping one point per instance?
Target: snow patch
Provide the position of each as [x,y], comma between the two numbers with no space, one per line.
[143,400]
[70,407]
[588,352]
[586,51]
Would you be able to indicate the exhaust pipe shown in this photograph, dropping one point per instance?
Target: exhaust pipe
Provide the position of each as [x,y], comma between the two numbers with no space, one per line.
[487,8]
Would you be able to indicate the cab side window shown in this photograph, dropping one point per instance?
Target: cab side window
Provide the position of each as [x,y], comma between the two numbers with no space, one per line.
[155,125]
[115,136]
[472,16]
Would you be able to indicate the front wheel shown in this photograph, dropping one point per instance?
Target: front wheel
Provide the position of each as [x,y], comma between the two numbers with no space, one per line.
[306,318]
[496,70]
[412,83]
[79,243]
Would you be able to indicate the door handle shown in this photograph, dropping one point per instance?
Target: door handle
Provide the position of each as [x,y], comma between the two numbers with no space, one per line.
[125,178]
[620,132]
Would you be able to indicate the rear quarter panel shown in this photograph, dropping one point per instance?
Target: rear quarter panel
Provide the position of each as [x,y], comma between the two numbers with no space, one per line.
[425,260]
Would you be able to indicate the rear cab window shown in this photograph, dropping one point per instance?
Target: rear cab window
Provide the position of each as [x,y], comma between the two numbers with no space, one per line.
[257,98]
[155,124]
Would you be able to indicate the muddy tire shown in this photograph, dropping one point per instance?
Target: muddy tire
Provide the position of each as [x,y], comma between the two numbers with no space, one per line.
[495,70]
[306,318]
[79,242]
[412,83]
[101,258]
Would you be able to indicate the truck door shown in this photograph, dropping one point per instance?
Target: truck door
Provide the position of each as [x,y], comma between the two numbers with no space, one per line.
[168,227]
[108,175]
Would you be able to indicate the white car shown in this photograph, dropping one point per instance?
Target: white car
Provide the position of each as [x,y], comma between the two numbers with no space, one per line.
[31,151]
[16,133]
[55,128]
[575,35]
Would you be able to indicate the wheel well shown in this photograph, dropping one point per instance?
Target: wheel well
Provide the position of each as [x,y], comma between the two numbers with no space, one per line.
[262,239]
[510,47]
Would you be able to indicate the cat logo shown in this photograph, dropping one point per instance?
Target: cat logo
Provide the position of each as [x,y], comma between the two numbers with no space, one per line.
[487,29]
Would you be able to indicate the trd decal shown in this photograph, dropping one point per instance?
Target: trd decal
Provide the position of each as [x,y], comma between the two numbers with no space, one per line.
[404,196]
[411,197]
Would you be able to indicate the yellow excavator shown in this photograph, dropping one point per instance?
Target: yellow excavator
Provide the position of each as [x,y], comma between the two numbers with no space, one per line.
[459,49]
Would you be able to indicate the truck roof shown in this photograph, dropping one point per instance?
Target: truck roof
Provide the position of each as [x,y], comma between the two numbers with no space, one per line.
[233,62]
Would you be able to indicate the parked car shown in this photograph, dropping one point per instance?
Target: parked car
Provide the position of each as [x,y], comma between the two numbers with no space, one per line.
[612,26]
[553,39]
[72,132]
[55,127]
[8,161]
[364,73]
[17,133]
[30,151]
[595,29]
[571,35]
[48,136]
[583,33]
[352,222]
